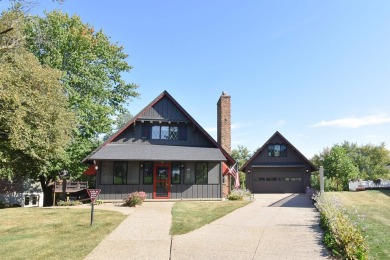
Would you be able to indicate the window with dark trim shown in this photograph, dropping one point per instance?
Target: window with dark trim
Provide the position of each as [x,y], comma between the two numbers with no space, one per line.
[277,150]
[133,172]
[176,173]
[120,172]
[148,173]
[164,132]
[189,173]
[201,173]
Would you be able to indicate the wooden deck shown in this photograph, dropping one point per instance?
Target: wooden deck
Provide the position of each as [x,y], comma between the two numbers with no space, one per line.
[71,186]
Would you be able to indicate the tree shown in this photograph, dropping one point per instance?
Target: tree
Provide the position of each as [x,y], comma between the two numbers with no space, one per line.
[93,69]
[370,159]
[122,119]
[241,155]
[339,168]
[35,121]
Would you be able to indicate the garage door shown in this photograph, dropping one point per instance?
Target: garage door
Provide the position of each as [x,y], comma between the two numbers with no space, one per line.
[278,180]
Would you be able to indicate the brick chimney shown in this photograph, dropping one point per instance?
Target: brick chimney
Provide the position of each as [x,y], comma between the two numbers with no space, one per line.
[224,122]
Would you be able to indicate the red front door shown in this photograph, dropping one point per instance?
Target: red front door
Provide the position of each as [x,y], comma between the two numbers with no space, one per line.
[162,181]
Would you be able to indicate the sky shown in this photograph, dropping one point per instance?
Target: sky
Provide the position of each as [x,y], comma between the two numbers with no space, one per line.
[317,71]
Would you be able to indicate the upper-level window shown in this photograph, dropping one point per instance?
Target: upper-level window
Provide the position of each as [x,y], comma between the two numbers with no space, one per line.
[277,150]
[165,133]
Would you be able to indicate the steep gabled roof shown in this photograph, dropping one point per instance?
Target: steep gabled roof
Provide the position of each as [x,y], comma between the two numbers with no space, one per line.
[164,94]
[313,167]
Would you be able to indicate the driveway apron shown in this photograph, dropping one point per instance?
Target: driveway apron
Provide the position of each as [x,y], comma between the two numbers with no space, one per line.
[274,226]
[144,234]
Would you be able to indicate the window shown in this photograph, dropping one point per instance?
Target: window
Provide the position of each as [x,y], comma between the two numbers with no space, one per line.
[189,173]
[164,132]
[133,173]
[173,132]
[201,173]
[35,200]
[120,172]
[148,173]
[106,176]
[26,200]
[156,132]
[176,173]
[277,150]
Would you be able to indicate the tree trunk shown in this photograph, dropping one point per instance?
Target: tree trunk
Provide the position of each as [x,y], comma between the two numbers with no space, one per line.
[47,188]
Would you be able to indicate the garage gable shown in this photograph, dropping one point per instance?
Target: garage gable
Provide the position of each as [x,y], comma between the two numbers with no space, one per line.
[278,167]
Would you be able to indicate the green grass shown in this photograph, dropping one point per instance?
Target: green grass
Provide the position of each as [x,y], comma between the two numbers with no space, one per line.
[375,205]
[191,215]
[45,233]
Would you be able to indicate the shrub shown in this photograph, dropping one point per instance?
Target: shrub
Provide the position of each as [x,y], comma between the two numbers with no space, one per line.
[239,194]
[2,205]
[342,234]
[134,199]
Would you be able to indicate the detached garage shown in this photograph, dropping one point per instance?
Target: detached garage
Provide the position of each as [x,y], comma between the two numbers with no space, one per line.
[278,167]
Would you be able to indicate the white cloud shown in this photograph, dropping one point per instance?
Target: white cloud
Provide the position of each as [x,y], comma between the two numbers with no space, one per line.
[354,122]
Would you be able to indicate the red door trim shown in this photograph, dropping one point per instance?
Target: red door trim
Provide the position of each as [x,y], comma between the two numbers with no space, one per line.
[168,182]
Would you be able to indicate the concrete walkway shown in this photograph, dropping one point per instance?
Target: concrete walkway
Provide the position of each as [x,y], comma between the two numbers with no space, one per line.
[144,234]
[274,226]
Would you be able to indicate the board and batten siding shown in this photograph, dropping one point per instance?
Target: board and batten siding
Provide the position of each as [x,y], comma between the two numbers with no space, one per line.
[164,109]
[133,135]
[178,191]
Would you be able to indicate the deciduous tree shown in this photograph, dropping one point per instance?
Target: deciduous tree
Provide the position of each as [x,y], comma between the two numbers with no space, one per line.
[93,69]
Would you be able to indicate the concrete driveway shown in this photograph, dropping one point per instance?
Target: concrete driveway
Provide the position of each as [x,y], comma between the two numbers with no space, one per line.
[274,226]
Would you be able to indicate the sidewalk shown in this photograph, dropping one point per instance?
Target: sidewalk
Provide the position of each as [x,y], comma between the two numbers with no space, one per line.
[144,234]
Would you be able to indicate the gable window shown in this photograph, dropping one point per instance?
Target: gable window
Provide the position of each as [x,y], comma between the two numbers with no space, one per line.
[176,173]
[120,172]
[201,173]
[148,173]
[164,132]
[277,150]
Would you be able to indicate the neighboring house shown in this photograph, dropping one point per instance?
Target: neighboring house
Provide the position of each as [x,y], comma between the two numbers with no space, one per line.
[164,152]
[278,167]
[23,193]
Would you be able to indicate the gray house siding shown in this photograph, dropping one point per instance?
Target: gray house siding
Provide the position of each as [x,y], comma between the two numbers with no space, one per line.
[133,135]
[163,113]
[164,109]
[212,190]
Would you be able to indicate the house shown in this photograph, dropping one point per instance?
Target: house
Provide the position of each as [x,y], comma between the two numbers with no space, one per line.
[164,152]
[278,167]
[22,193]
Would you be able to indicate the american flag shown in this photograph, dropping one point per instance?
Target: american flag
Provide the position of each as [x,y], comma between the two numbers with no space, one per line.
[233,172]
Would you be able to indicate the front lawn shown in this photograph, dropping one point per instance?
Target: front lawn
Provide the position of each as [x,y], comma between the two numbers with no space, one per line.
[375,205]
[46,233]
[191,215]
